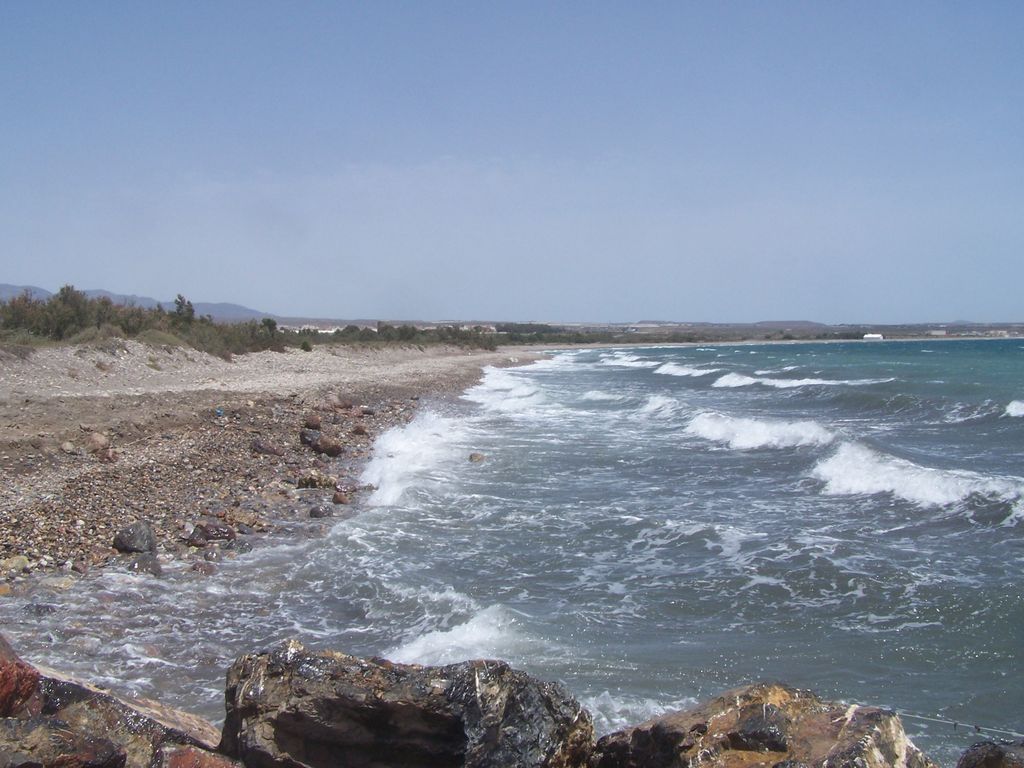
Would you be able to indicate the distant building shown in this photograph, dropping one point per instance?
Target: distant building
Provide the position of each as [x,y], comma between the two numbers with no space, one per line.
[873,337]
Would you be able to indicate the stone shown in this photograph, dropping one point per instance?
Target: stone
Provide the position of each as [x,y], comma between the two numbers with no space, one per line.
[19,683]
[14,565]
[137,537]
[309,436]
[266,448]
[68,447]
[292,707]
[476,458]
[146,563]
[359,429]
[209,530]
[328,446]
[316,480]
[175,756]
[340,497]
[993,754]
[45,742]
[320,511]
[205,569]
[96,442]
[313,421]
[764,724]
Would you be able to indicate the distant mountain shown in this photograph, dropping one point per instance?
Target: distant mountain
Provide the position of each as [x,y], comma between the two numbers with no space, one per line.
[216,310]
[8,292]
[790,324]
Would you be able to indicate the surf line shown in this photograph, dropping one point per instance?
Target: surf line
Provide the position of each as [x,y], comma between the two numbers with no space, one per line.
[956,724]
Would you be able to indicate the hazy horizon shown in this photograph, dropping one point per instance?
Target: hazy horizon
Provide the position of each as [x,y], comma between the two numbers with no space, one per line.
[839,163]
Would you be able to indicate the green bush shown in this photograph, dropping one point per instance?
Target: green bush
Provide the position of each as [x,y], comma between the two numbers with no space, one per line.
[305,346]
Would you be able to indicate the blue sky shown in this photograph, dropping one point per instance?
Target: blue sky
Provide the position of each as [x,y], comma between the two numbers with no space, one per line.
[841,162]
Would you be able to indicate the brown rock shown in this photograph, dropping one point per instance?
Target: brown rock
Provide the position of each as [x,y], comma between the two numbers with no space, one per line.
[191,757]
[476,458]
[18,684]
[766,724]
[993,754]
[340,498]
[328,446]
[95,442]
[266,448]
[291,707]
[47,743]
[359,429]
[312,421]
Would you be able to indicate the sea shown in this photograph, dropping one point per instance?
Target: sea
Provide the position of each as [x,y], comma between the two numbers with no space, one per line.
[650,526]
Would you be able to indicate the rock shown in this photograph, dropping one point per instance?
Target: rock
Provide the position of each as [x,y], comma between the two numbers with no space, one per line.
[84,726]
[328,446]
[320,511]
[309,436]
[68,447]
[19,683]
[765,724]
[46,742]
[316,480]
[95,442]
[312,421]
[340,497]
[206,569]
[359,429]
[264,447]
[209,530]
[993,754]
[190,757]
[58,583]
[137,537]
[292,707]
[14,565]
[146,563]
[476,458]
[366,411]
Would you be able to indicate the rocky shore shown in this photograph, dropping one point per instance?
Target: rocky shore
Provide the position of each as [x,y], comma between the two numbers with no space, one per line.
[288,707]
[176,454]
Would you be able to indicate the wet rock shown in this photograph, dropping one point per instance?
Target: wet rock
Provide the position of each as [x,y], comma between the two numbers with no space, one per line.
[137,537]
[19,682]
[476,458]
[146,563]
[340,497]
[209,530]
[328,446]
[312,421]
[191,757]
[266,448]
[46,742]
[206,569]
[767,724]
[320,511]
[993,754]
[316,480]
[14,565]
[309,436]
[291,707]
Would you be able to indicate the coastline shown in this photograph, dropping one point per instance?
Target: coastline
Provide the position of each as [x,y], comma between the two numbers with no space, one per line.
[96,438]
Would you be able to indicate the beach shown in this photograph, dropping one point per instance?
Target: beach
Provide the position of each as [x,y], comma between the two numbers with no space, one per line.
[95,438]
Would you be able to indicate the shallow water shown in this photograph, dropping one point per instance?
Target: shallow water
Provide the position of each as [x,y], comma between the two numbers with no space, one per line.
[650,526]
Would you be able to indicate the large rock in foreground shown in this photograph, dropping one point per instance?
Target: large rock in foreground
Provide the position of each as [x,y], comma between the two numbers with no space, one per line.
[292,707]
[55,721]
[764,725]
[993,754]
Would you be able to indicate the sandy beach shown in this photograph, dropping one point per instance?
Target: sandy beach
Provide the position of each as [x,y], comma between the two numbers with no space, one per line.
[95,438]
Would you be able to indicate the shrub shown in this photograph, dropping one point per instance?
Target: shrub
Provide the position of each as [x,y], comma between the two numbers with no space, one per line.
[305,346]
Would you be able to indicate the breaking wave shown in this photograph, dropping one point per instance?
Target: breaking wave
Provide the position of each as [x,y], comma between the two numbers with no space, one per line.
[490,634]
[745,434]
[1015,408]
[731,380]
[675,369]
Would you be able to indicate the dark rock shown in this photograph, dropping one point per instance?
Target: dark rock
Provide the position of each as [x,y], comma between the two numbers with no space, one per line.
[476,458]
[320,511]
[367,411]
[993,754]
[291,707]
[146,563]
[175,756]
[359,429]
[137,537]
[212,530]
[206,569]
[313,421]
[741,726]
[212,554]
[309,436]
[328,446]
[264,447]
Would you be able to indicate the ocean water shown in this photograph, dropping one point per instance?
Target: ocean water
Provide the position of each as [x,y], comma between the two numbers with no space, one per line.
[650,526]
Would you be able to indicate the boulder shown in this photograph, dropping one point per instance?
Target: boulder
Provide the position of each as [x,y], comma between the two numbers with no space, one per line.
[209,530]
[765,724]
[65,723]
[266,448]
[291,707]
[309,436]
[993,754]
[176,756]
[137,537]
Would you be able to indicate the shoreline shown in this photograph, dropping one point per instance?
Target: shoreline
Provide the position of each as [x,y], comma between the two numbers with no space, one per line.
[96,438]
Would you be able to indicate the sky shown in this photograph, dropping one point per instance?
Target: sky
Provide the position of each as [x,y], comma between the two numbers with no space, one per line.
[842,162]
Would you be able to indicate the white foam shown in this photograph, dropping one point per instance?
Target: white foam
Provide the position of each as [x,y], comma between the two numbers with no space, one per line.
[856,469]
[505,390]
[1015,408]
[614,712]
[731,380]
[490,634]
[745,434]
[407,454]
[627,360]
[596,395]
[659,406]
[675,369]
